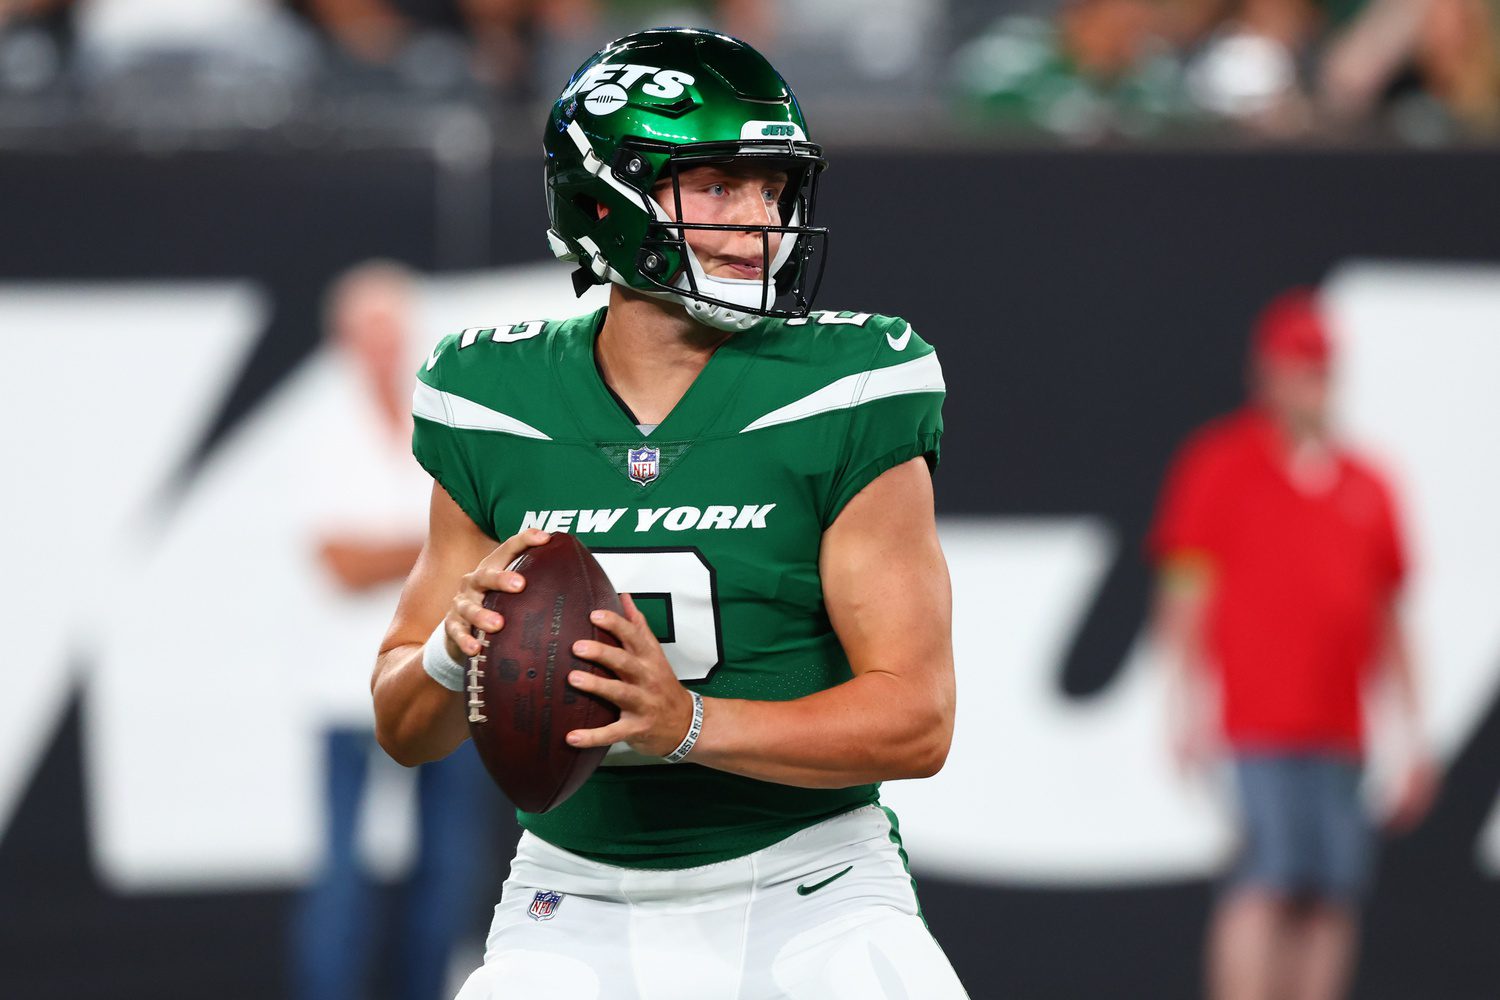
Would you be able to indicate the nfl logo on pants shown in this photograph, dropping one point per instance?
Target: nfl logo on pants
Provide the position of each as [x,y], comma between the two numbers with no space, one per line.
[645,463]
[544,905]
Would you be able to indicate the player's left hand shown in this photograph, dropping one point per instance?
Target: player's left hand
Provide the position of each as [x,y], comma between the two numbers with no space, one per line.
[655,709]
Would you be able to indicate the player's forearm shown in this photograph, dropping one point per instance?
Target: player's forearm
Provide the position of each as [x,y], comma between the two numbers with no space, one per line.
[417,720]
[877,727]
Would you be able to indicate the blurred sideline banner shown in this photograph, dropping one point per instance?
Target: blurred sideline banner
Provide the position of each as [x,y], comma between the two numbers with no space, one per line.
[157,782]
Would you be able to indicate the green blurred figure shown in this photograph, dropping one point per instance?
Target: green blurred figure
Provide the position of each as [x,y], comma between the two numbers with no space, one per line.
[1100,69]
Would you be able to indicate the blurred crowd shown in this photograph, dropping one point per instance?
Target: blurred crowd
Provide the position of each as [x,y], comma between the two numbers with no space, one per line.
[1425,71]
[431,47]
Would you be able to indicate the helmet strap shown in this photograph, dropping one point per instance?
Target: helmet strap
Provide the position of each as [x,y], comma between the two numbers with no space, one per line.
[583,280]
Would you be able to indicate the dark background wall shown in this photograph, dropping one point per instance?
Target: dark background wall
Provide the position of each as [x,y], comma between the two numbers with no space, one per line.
[1090,310]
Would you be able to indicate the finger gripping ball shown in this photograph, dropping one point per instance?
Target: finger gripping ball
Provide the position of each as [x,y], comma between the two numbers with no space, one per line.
[520,704]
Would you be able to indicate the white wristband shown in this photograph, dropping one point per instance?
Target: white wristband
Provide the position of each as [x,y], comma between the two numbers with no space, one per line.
[439,665]
[691,739]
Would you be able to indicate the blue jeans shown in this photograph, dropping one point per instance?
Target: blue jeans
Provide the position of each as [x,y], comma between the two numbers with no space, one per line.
[338,926]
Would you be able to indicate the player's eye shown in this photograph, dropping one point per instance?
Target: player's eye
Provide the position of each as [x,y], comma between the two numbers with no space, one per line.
[715,189]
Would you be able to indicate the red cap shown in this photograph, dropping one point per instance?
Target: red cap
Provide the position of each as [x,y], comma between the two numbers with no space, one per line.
[1291,328]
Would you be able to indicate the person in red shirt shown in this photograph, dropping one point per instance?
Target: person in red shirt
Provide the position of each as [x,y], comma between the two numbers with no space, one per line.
[1280,561]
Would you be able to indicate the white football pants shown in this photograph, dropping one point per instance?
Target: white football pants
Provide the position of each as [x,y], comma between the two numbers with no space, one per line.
[827,914]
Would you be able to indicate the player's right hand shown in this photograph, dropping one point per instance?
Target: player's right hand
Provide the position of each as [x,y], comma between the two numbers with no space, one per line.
[467,612]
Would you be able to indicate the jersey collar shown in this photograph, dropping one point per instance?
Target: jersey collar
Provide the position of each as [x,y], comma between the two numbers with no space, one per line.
[603,417]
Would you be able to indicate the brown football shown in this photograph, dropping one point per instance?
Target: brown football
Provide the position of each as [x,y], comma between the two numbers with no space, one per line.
[521,706]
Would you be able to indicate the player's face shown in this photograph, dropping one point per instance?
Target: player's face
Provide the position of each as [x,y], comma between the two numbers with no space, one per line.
[732,195]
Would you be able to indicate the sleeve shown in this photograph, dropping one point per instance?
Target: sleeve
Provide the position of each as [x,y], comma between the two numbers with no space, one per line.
[1189,513]
[895,415]
[439,446]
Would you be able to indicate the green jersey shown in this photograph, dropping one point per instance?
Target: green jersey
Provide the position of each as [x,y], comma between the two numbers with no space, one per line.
[712,521]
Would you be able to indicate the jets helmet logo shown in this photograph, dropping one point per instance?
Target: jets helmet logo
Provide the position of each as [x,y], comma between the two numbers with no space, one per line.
[605,99]
[615,81]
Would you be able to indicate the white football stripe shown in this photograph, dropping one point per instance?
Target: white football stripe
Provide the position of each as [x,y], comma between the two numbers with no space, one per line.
[465,414]
[922,374]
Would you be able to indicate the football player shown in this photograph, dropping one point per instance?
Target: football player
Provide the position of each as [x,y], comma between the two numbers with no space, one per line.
[757,476]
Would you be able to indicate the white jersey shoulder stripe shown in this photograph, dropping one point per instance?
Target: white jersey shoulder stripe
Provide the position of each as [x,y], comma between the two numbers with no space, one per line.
[922,374]
[465,414]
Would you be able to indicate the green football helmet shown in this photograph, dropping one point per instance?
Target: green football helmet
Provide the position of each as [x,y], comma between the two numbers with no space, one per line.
[640,111]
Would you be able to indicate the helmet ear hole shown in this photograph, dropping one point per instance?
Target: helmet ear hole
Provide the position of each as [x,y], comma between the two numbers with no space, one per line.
[588,207]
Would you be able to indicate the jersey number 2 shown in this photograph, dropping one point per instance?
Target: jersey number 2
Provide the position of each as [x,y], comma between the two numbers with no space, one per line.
[683,581]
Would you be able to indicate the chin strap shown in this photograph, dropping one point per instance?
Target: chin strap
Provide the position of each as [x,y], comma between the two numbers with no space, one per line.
[718,317]
[743,292]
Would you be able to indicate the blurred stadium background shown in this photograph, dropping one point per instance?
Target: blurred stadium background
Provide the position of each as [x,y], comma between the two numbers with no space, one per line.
[1082,204]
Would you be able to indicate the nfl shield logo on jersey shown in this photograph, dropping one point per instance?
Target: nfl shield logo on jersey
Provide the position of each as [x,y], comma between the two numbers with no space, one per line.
[544,904]
[644,463]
